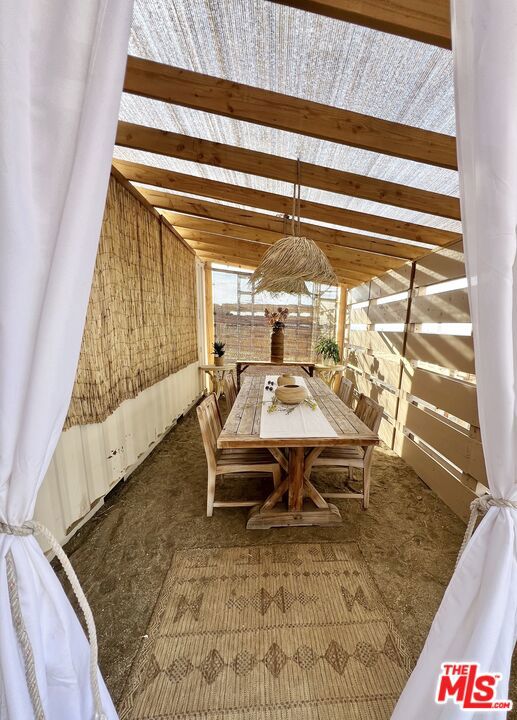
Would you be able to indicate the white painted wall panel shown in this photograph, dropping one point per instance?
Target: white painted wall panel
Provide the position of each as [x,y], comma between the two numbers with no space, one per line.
[90,459]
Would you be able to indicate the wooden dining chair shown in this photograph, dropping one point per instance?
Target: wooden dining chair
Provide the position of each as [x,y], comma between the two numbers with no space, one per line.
[351,457]
[230,390]
[227,462]
[346,391]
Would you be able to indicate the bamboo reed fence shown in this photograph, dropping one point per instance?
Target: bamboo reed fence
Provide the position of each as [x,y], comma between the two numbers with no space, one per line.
[141,323]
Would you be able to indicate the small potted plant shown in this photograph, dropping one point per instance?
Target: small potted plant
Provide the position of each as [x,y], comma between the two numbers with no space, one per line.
[276,320]
[328,348]
[218,352]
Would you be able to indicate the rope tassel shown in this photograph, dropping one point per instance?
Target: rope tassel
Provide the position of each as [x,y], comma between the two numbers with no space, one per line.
[32,527]
[480,506]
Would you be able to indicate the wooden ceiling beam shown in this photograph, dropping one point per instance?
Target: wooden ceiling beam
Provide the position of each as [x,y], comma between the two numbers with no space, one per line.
[333,252]
[227,192]
[252,162]
[428,21]
[190,89]
[243,258]
[202,214]
[243,254]
[251,265]
[338,258]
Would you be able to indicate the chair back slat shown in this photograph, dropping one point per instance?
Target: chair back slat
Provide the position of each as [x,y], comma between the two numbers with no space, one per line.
[210,424]
[346,390]
[369,412]
[230,389]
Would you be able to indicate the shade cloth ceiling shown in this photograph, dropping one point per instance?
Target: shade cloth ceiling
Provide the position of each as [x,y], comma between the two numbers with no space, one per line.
[308,56]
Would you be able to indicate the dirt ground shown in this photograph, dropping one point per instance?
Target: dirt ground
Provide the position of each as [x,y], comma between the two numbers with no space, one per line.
[408,536]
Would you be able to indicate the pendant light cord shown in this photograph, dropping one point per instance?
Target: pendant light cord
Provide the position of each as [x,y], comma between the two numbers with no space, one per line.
[295,221]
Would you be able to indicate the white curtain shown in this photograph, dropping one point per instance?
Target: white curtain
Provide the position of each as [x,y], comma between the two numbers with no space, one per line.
[61,72]
[477,617]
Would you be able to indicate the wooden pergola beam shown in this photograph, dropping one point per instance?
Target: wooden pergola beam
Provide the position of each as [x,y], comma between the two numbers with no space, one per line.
[218,258]
[243,102]
[252,162]
[425,20]
[208,257]
[197,214]
[274,231]
[336,253]
[227,192]
[338,258]
[250,263]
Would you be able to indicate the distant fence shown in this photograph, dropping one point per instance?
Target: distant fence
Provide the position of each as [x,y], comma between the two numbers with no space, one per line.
[239,318]
[410,348]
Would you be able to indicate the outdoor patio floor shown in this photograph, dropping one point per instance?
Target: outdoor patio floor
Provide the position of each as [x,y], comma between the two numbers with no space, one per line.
[408,536]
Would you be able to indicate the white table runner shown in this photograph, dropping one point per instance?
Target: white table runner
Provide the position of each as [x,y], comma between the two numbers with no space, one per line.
[301,422]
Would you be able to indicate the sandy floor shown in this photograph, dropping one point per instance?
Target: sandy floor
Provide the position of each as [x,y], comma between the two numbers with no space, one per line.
[408,536]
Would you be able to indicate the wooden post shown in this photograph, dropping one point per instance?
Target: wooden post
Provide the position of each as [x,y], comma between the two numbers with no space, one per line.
[296,469]
[341,318]
[209,311]
[403,353]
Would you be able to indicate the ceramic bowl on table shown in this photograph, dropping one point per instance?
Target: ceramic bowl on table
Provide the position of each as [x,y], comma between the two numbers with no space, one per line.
[286,379]
[291,394]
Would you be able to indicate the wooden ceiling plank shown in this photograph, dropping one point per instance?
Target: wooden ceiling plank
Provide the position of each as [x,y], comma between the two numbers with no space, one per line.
[273,202]
[239,251]
[251,162]
[427,21]
[187,88]
[337,258]
[193,214]
[250,264]
[240,260]
[333,252]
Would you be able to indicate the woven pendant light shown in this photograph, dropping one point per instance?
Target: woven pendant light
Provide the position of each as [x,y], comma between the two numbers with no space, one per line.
[294,260]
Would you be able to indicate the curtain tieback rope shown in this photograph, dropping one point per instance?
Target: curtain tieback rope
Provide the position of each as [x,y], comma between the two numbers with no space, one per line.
[31,527]
[480,506]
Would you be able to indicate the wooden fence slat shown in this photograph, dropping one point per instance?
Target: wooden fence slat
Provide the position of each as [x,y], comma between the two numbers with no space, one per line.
[446,455]
[448,488]
[455,352]
[376,392]
[359,315]
[380,342]
[453,396]
[391,282]
[449,441]
[393,312]
[447,307]
[360,293]
[386,369]
[447,264]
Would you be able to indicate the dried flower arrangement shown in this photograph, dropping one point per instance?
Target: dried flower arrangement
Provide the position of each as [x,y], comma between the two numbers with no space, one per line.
[276,318]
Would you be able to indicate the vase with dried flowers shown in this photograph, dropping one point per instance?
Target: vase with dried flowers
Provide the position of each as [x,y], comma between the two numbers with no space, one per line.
[276,320]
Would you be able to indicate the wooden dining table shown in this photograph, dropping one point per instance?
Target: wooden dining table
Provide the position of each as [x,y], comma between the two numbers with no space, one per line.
[305,505]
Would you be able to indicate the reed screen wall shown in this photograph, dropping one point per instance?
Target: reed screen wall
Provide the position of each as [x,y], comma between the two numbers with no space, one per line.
[239,318]
[410,348]
[141,324]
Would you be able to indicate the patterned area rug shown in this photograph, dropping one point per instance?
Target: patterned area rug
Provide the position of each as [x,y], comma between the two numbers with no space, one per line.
[290,632]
